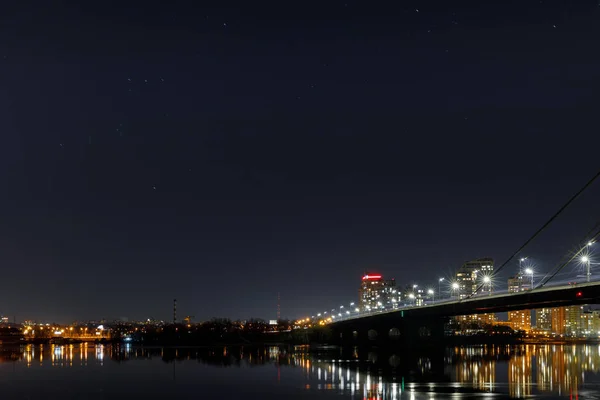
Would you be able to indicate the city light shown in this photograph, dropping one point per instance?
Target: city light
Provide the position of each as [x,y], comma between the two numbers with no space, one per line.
[370,277]
[585,259]
[455,285]
[487,279]
[430,291]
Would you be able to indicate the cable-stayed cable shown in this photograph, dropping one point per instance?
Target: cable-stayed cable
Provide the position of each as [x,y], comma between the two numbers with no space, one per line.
[540,230]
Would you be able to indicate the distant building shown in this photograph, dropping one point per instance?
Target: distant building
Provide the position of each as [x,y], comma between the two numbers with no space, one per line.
[518,283]
[573,322]
[377,293]
[559,320]
[519,320]
[478,319]
[591,323]
[470,276]
[543,319]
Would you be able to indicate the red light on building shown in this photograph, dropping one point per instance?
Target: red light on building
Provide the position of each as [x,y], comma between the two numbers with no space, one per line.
[371,277]
[579,294]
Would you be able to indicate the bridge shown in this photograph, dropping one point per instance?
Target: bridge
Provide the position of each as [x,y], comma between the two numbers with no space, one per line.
[406,320]
[386,313]
[412,325]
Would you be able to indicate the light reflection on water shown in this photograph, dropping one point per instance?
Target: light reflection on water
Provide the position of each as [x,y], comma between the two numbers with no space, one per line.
[509,371]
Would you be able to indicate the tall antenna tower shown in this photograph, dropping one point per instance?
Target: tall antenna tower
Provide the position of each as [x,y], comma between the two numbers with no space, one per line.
[174,311]
[278,307]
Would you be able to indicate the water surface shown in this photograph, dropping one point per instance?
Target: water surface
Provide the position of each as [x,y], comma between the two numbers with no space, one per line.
[90,371]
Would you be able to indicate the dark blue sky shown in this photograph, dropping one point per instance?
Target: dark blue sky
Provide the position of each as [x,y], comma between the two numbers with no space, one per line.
[223,153]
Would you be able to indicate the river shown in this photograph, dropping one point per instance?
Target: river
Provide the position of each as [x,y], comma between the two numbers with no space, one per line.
[89,371]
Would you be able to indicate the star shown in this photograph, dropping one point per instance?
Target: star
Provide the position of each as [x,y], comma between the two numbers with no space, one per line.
[153,187]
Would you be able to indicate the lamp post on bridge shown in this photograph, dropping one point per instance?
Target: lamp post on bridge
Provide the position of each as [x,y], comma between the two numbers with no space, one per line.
[586,260]
[487,281]
[455,286]
[529,271]
[440,287]
[432,293]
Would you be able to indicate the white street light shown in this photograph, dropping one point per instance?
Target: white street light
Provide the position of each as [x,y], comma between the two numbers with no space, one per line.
[586,260]
[529,271]
[455,286]
[520,264]
[432,293]
[440,285]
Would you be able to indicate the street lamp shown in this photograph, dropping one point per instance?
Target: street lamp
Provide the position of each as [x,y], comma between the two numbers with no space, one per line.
[521,260]
[529,271]
[411,296]
[487,281]
[432,293]
[455,286]
[586,260]
[440,285]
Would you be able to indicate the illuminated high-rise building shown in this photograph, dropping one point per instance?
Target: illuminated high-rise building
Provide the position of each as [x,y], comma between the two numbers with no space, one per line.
[543,318]
[473,275]
[519,320]
[559,320]
[573,323]
[470,276]
[377,293]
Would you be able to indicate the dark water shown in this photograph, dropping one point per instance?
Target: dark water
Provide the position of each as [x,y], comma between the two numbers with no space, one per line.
[125,372]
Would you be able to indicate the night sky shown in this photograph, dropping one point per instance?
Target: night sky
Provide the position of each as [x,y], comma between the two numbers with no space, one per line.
[222,152]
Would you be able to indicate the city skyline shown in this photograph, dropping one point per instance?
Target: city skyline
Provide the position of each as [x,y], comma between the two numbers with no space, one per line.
[223,155]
